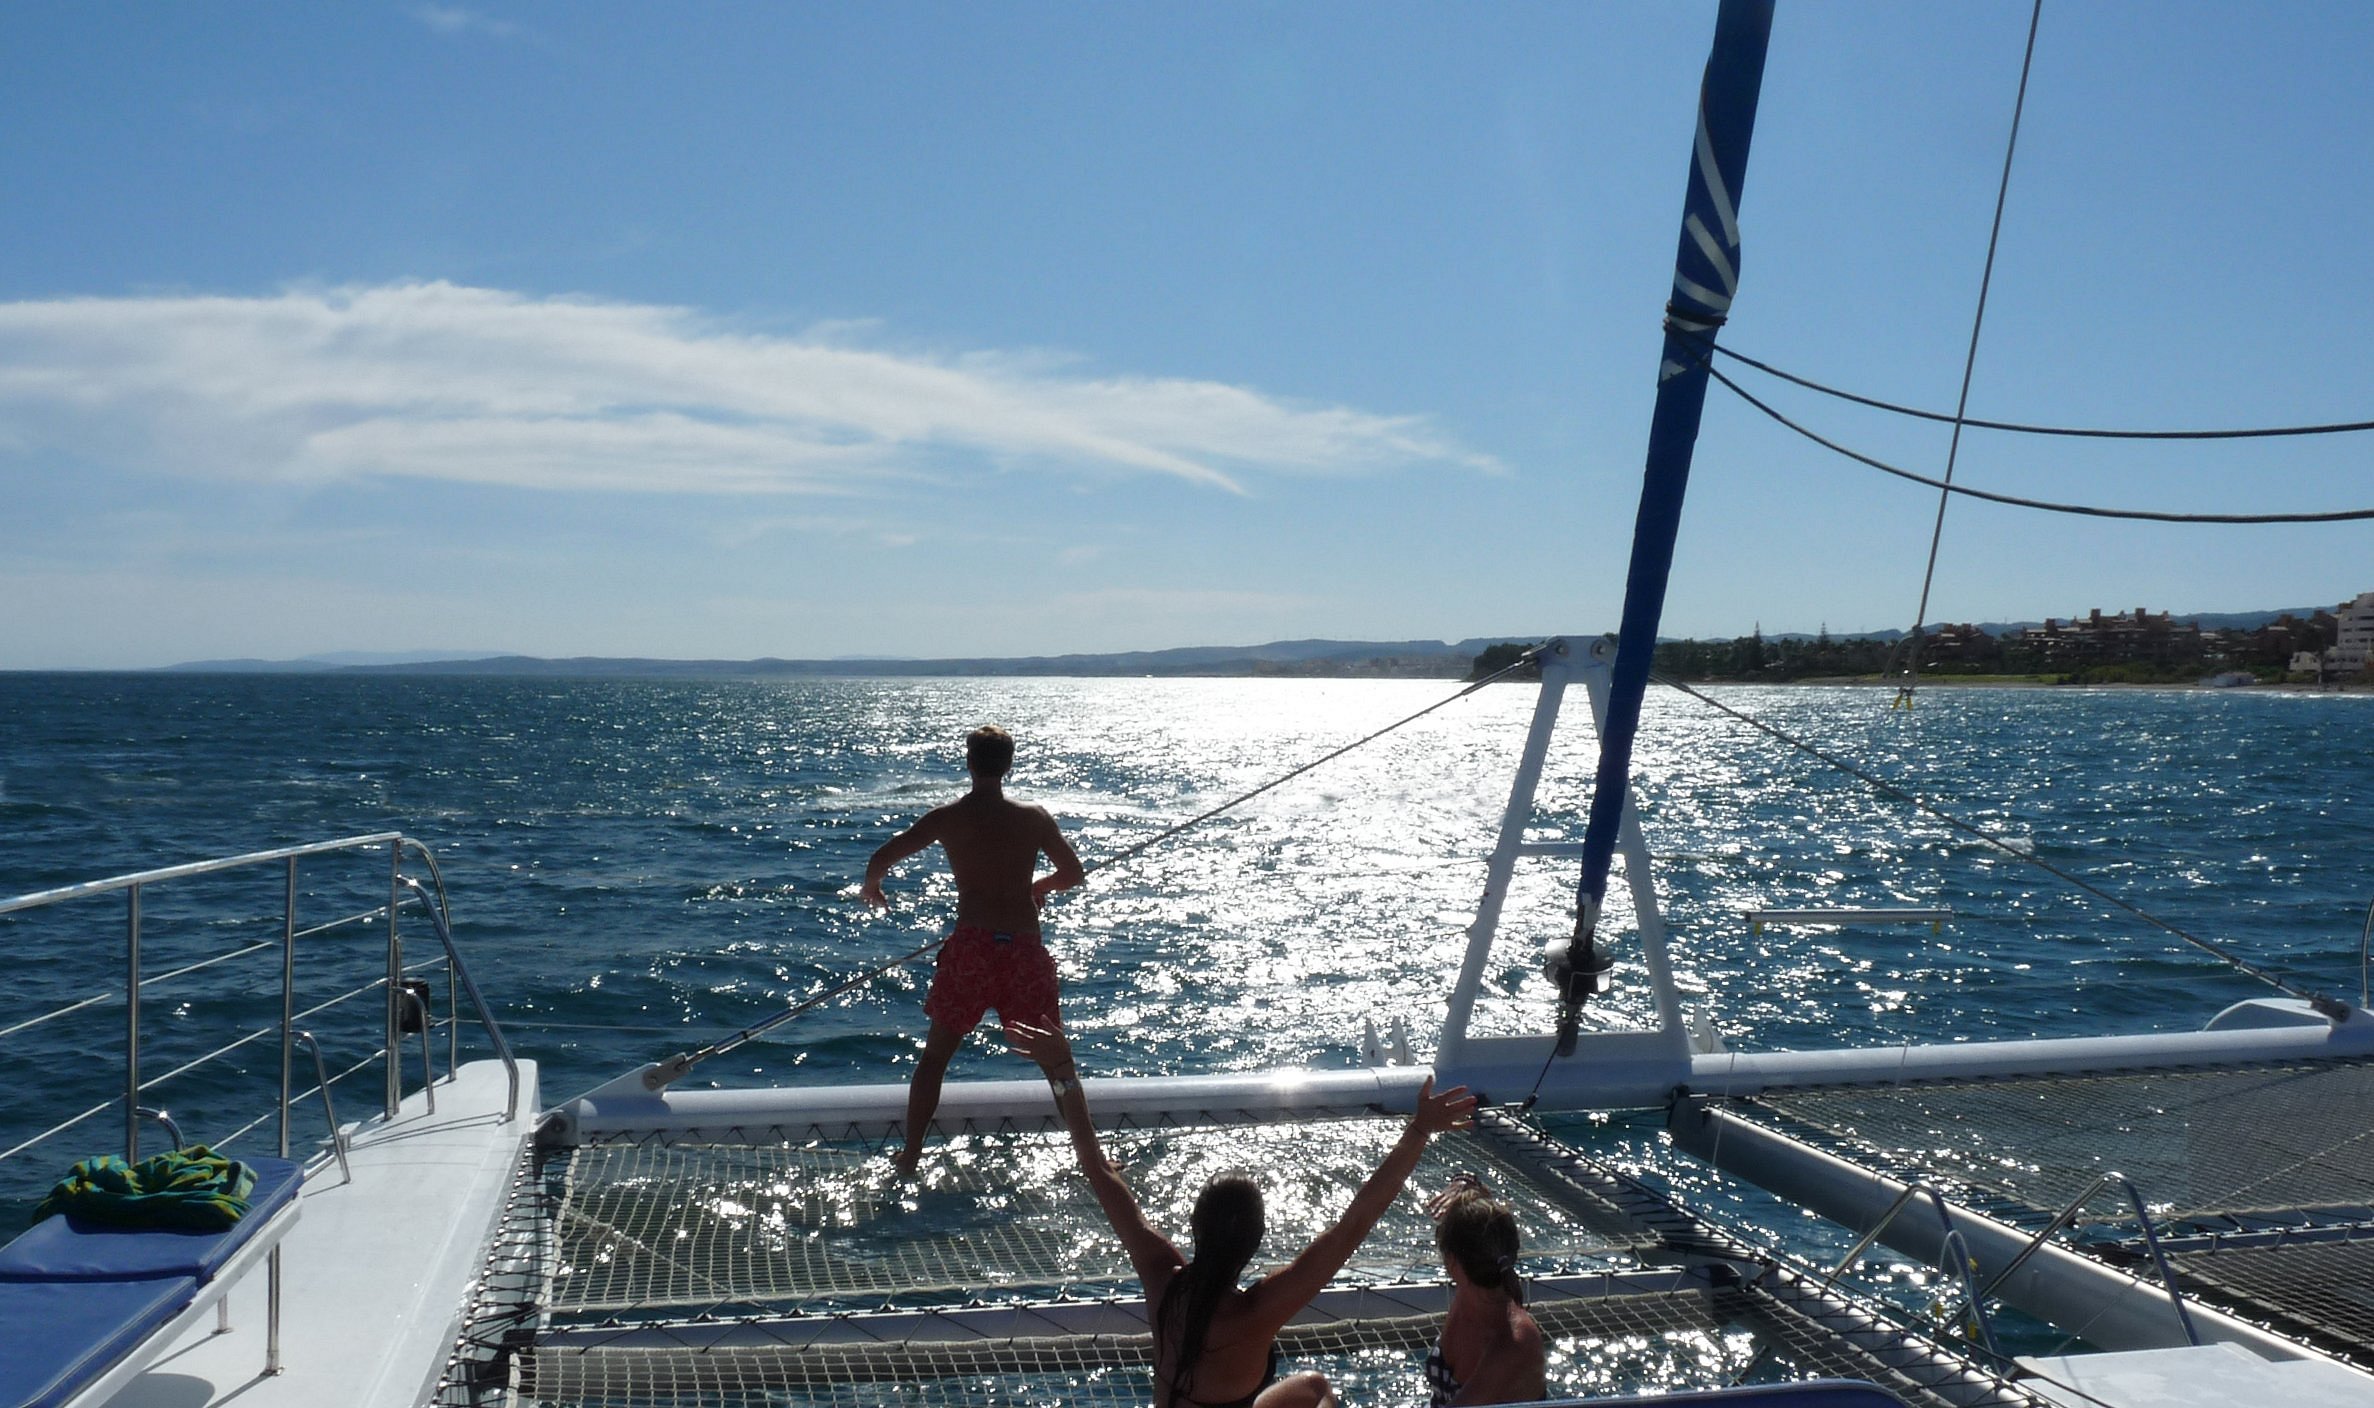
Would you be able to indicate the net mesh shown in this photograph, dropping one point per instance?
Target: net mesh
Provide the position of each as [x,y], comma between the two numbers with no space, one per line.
[2264,1176]
[2319,1290]
[822,1223]
[994,1281]
[1803,1333]
[2196,1143]
[1597,1346]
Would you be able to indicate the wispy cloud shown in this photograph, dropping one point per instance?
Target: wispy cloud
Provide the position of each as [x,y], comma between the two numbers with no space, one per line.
[436,381]
[744,530]
[453,19]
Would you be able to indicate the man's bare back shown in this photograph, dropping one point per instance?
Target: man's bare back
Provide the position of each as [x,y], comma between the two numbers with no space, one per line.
[993,846]
[994,957]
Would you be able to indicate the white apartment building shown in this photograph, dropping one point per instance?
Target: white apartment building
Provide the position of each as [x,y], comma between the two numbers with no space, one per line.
[2356,643]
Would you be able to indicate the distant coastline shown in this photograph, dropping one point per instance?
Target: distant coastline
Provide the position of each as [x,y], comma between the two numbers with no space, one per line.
[1315,659]
[1788,657]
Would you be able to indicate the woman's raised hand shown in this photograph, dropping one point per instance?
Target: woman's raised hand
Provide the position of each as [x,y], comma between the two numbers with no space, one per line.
[1452,1109]
[1049,1049]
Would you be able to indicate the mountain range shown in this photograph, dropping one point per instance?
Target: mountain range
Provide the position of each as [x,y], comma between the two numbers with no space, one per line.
[1384,659]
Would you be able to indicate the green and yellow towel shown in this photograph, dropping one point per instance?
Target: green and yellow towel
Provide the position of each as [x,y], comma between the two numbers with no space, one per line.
[194,1188]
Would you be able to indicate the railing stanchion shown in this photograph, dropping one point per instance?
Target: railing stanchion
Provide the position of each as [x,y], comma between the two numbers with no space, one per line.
[2151,1242]
[2365,940]
[417,1010]
[132,1025]
[486,1017]
[329,1107]
[395,979]
[288,998]
[271,1311]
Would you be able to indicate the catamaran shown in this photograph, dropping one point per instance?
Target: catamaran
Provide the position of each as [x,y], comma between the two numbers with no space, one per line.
[2192,1207]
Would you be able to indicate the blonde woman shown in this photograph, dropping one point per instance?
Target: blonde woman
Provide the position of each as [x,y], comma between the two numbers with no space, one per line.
[1490,1350]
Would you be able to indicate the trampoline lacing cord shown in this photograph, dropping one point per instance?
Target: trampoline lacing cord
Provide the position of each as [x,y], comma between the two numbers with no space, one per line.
[675,1066]
[2331,1007]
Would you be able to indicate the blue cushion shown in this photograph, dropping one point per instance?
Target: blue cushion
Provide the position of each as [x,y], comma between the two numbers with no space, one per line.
[63,1334]
[66,1248]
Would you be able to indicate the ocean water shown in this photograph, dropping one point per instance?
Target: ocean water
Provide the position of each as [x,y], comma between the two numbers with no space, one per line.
[640,866]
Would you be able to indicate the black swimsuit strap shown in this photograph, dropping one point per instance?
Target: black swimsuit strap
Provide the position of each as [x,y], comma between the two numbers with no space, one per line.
[1268,1378]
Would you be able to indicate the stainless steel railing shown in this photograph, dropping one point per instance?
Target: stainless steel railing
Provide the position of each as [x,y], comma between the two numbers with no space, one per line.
[1953,1255]
[400,1002]
[455,966]
[2067,1215]
[2365,940]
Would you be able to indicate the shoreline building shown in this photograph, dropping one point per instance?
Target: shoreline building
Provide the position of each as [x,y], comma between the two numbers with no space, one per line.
[2354,645]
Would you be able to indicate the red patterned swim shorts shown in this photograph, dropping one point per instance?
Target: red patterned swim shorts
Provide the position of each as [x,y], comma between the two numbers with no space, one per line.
[981,968]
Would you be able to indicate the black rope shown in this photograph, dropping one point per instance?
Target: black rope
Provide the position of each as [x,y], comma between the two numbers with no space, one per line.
[757,1029]
[1528,658]
[2347,427]
[2322,1004]
[2351,515]
[1953,449]
[1533,1096]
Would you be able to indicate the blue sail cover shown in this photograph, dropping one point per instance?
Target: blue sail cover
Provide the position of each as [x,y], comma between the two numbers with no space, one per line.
[1705,277]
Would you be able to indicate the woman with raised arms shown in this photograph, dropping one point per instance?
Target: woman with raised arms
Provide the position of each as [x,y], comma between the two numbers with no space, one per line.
[1215,1341]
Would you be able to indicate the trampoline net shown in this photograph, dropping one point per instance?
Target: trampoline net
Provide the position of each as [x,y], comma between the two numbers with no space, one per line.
[1597,1346]
[2262,1178]
[652,1273]
[2197,1144]
[824,1224]
[2318,1290]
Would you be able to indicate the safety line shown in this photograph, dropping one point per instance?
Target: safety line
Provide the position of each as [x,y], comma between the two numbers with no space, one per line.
[1953,449]
[1529,657]
[756,1029]
[2275,432]
[2351,515]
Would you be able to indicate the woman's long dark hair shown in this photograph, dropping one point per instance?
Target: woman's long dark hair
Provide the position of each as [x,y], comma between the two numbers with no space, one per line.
[1479,1232]
[1227,1227]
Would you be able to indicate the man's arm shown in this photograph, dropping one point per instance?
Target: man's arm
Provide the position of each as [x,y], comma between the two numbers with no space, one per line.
[915,838]
[1068,871]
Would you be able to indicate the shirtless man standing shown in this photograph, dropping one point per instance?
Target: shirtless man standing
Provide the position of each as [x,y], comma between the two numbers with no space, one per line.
[994,958]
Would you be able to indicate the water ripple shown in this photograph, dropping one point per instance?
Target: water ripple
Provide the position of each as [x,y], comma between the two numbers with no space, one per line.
[636,855]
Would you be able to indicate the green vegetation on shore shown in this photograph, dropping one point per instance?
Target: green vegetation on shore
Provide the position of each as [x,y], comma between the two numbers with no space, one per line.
[2122,649]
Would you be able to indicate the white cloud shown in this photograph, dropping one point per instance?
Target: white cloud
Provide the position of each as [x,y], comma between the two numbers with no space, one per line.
[744,530]
[435,381]
[453,19]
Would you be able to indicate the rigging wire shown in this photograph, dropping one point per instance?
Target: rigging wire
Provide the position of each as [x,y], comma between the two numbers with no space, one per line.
[1530,657]
[2273,432]
[1986,279]
[2329,1006]
[2351,515]
[675,1066]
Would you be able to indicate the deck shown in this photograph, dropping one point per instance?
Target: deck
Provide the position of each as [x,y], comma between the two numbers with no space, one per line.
[377,1270]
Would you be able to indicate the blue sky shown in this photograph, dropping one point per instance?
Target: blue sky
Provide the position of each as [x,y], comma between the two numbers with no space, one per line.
[732,331]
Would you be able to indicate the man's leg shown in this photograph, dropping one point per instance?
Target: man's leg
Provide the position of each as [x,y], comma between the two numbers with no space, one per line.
[923,1093]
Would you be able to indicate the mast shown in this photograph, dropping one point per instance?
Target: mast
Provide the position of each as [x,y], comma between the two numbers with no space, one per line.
[1705,278]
